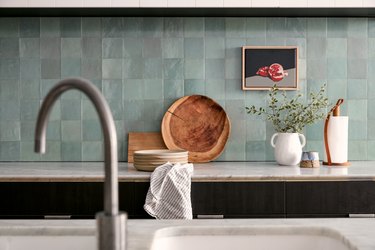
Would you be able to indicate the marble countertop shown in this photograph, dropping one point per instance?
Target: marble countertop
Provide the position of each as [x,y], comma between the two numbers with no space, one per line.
[357,234]
[213,171]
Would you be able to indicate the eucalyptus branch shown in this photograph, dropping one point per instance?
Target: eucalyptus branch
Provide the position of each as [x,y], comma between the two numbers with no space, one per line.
[291,114]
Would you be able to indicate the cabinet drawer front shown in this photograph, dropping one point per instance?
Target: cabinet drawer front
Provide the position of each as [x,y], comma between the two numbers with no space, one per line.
[330,197]
[238,199]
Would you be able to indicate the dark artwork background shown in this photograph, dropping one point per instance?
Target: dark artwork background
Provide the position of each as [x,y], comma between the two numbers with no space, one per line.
[256,58]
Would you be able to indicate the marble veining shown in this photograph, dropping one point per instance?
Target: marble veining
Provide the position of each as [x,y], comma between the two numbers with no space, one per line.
[213,171]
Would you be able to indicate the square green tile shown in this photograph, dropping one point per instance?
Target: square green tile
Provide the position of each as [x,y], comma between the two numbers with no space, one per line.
[235,151]
[357,150]
[357,27]
[215,89]
[92,130]
[337,48]
[233,89]
[116,108]
[214,47]
[9,48]
[357,68]
[112,69]
[276,27]
[91,27]
[92,151]
[54,131]
[112,47]
[153,89]
[29,47]
[371,129]
[50,68]
[27,152]
[10,151]
[173,89]
[10,131]
[27,130]
[357,89]
[233,47]
[70,26]
[316,69]
[71,151]
[30,27]
[9,89]
[71,130]
[50,27]
[337,27]
[215,26]
[337,68]
[194,48]
[70,68]
[153,111]
[296,27]
[29,109]
[370,108]
[133,26]
[232,68]
[152,47]
[255,151]
[194,87]
[315,131]
[112,27]
[256,41]
[235,27]
[357,110]
[173,68]
[71,109]
[194,26]
[30,68]
[173,47]
[9,27]
[88,111]
[153,68]
[50,47]
[357,130]
[133,110]
[10,110]
[152,27]
[9,68]
[71,47]
[316,48]
[173,27]
[255,130]
[235,109]
[194,69]
[215,68]
[370,150]
[91,48]
[133,68]
[91,68]
[132,48]
[133,89]
[112,89]
[256,27]
[53,151]
[357,48]
[336,89]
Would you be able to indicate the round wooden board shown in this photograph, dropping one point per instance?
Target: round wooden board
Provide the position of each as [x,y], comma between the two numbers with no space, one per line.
[197,124]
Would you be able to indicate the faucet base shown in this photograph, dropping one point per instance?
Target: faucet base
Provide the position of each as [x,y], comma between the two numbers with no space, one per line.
[111,231]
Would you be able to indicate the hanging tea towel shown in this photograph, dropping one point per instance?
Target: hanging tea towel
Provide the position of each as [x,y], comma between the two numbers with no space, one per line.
[169,194]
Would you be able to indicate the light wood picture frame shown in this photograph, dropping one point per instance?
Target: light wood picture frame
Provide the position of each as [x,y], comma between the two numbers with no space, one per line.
[264,66]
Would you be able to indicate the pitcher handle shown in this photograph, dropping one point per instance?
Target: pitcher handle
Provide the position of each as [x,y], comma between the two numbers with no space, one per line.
[303,139]
[273,138]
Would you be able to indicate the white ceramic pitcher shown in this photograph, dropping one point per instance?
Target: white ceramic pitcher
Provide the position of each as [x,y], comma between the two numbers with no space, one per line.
[288,148]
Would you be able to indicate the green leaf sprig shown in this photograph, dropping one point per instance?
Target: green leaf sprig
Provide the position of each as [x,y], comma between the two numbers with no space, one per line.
[291,115]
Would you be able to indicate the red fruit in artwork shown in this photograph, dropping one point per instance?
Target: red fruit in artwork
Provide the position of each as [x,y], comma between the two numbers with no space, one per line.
[276,72]
[263,71]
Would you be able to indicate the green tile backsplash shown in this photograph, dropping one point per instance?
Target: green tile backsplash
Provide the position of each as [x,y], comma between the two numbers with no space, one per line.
[142,65]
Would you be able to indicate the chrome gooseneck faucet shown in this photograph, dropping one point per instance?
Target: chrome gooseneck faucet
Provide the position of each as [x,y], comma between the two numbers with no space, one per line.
[111,223]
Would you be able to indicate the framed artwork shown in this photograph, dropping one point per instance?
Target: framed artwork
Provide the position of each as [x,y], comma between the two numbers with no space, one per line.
[265,66]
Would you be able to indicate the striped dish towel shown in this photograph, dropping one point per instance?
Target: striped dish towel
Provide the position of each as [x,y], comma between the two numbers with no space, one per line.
[169,194]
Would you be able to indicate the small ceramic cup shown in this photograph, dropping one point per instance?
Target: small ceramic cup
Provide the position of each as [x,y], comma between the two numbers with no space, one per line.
[310,160]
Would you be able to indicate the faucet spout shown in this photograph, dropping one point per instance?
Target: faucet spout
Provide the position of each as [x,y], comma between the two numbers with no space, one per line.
[111,223]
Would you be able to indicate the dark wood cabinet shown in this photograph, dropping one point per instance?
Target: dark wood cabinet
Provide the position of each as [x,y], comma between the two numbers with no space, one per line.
[229,199]
[330,199]
[238,199]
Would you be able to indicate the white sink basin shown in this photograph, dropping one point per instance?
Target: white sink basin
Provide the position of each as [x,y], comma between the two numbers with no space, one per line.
[252,238]
[22,242]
